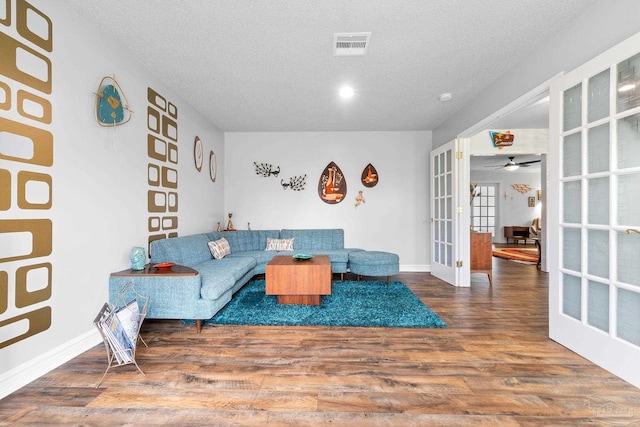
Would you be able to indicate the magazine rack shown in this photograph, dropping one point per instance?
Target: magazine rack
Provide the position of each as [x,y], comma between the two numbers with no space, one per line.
[113,324]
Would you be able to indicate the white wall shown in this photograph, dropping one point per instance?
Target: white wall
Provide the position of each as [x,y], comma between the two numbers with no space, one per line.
[512,206]
[394,215]
[602,26]
[99,188]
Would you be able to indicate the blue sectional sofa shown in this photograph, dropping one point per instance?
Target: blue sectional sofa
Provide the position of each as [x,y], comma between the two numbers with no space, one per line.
[201,296]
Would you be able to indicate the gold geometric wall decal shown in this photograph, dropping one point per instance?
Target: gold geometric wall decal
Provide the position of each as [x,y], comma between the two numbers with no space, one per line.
[37,232]
[169,128]
[5,190]
[156,201]
[169,177]
[31,186]
[154,223]
[156,148]
[156,99]
[153,120]
[34,107]
[5,98]
[172,155]
[6,18]
[173,111]
[12,51]
[169,222]
[162,177]
[37,321]
[35,146]
[25,280]
[25,89]
[4,291]
[44,41]
[173,201]
[154,175]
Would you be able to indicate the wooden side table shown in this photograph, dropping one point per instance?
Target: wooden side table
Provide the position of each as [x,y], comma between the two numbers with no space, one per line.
[150,270]
[481,254]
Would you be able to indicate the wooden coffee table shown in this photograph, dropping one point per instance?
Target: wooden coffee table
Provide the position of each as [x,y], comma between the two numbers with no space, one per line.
[299,281]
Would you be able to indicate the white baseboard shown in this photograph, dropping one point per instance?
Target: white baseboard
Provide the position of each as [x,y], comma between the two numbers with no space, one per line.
[415,268]
[22,375]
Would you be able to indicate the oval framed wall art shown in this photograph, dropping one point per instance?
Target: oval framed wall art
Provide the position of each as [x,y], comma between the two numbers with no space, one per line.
[212,166]
[198,153]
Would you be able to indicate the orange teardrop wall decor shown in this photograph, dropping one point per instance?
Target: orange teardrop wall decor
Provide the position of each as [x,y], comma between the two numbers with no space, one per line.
[369,176]
[332,187]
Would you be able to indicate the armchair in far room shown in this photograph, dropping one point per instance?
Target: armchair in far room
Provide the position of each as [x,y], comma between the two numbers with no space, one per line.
[535,228]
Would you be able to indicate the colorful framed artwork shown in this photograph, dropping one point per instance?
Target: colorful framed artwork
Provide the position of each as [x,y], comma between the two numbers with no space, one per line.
[212,166]
[112,108]
[502,140]
[198,153]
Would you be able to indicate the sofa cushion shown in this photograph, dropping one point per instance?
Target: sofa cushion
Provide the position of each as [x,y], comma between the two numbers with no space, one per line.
[219,275]
[245,240]
[323,239]
[261,257]
[183,250]
[219,248]
[279,245]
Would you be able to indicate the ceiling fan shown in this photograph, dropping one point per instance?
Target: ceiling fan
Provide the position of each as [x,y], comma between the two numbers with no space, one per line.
[512,165]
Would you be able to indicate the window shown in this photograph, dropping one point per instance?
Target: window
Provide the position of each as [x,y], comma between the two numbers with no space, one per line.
[483,212]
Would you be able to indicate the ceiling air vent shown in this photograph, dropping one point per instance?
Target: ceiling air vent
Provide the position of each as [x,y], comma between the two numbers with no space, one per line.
[350,44]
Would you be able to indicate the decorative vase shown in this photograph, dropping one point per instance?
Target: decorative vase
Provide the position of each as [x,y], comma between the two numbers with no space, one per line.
[138,258]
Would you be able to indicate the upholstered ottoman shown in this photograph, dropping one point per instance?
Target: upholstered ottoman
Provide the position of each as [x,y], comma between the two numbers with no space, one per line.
[374,263]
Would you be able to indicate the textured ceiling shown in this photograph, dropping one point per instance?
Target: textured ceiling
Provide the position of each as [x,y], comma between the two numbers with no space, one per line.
[269,65]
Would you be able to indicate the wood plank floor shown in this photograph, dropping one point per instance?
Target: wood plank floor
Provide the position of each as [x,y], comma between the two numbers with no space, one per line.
[493,366]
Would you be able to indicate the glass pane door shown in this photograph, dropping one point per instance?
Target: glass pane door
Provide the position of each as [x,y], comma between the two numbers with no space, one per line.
[595,289]
[443,171]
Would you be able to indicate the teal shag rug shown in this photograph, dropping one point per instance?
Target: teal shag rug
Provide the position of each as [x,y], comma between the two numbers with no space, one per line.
[351,303]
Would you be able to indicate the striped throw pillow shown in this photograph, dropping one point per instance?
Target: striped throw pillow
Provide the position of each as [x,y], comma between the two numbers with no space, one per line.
[279,244]
[219,248]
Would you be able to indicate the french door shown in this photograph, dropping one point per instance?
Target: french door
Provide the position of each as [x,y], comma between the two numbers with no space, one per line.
[594,280]
[444,220]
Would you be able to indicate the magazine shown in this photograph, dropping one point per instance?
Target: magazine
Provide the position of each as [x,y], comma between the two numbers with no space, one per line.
[117,337]
[129,317]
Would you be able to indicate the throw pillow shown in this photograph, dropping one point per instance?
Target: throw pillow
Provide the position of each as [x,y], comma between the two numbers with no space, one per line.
[219,248]
[279,244]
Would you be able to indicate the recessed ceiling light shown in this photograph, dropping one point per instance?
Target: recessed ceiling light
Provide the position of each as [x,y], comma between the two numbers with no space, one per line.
[346,92]
[444,97]
[626,88]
